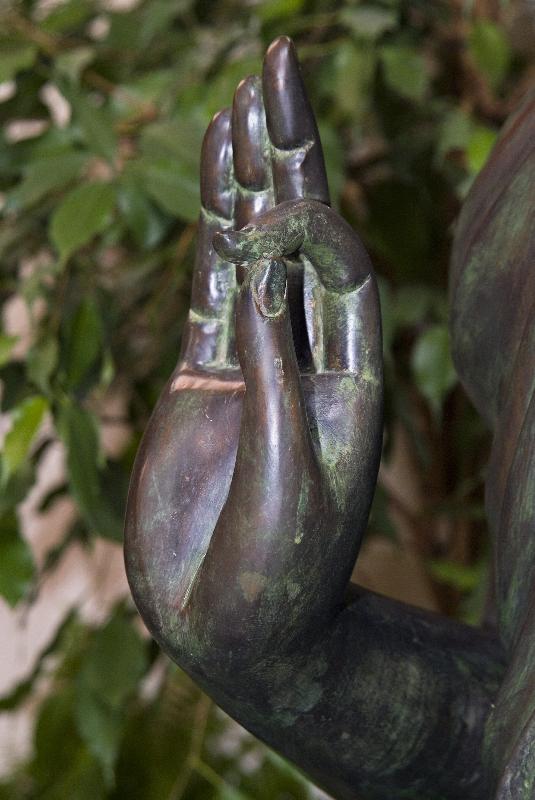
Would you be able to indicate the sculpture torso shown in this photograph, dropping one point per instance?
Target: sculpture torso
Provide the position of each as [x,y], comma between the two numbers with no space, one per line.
[493,334]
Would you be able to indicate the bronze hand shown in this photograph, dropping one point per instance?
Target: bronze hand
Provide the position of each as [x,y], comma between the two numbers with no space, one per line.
[252,487]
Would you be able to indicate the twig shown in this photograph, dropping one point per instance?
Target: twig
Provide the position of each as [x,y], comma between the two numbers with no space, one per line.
[45,41]
[200,721]
[216,780]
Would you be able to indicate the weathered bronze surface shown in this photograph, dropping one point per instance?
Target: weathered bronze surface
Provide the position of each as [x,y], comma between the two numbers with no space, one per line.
[253,483]
[493,331]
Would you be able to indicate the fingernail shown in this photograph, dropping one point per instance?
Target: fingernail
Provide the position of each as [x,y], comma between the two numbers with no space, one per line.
[231,244]
[268,283]
[225,244]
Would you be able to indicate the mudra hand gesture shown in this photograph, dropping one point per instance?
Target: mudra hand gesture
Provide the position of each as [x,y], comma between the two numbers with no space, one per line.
[253,483]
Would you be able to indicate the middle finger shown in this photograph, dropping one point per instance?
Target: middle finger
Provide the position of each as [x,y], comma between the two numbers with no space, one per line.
[251,148]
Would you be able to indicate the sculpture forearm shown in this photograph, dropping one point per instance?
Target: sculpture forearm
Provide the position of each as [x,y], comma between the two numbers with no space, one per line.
[374,699]
[384,701]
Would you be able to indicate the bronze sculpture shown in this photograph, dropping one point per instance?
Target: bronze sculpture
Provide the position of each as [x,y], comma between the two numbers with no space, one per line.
[252,488]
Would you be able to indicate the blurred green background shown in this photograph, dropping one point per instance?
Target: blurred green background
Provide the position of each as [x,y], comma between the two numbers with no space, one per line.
[102,111]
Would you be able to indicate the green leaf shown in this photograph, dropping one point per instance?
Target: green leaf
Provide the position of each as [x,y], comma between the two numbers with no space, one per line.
[16,561]
[7,343]
[358,60]
[134,31]
[112,667]
[41,362]
[115,661]
[18,695]
[380,520]
[78,431]
[43,176]
[63,766]
[95,123]
[479,147]
[27,418]
[453,133]
[463,577]
[169,167]
[81,780]
[13,59]
[173,187]
[414,304]
[83,213]
[278,9]
[83,342]
[490,50]
[101,728]
[334,161]
[433,368]
[286,768]
[146,224]
[368,22]
[398,226]
[55,736]
[68,16]
[405,71]
[158,17]
[73,62]
[180,139]
[17,487]
[15,388]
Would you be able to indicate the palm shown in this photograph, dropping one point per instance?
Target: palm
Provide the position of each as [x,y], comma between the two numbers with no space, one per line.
[297,452]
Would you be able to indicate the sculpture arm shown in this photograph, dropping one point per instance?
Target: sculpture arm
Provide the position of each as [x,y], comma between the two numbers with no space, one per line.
[383,701]
[365,694]
[252,487]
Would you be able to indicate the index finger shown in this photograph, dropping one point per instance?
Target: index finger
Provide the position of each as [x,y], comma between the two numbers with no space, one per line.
[297,156]
[207,340]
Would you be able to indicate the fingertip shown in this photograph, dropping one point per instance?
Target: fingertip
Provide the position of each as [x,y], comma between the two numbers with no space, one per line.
[292,127]
[280,51]
[221,121]
[282,40]
[217,167]
[251,159]
[288,113]
[248,93]
[280,58]
[268,284]
[226,245]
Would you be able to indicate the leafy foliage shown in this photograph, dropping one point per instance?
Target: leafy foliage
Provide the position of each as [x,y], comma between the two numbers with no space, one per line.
[102,114]
[17,563]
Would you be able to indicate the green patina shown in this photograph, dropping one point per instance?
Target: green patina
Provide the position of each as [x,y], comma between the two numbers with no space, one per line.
[252,584]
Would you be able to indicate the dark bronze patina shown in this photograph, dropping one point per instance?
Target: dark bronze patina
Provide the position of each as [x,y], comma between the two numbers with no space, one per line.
[253,483]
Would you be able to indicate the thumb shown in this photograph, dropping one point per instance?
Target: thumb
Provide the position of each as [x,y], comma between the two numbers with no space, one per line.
[275,440]
[264,334]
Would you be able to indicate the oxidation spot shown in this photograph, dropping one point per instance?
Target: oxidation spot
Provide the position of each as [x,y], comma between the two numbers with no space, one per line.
[293,589]
[252,583]
[279,369]
[368,375]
